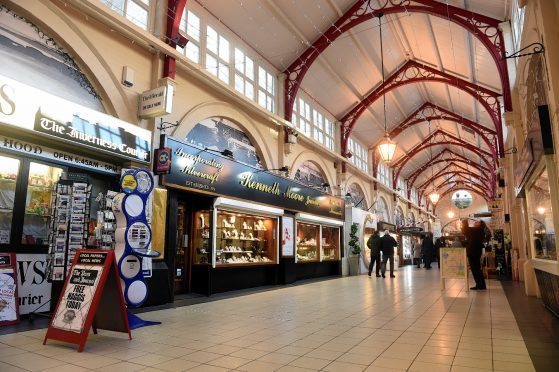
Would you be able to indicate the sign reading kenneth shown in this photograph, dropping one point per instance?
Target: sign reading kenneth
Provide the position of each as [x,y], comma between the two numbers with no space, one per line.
[196,169]
[28,108]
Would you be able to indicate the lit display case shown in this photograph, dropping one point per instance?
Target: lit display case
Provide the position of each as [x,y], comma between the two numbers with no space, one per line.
[330,243]
[8,177]
[40,191]
[202,246]
[308,237]
[245,239]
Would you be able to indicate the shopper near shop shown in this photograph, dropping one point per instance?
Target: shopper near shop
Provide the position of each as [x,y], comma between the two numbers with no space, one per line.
[374,245]
[388,243]
[475,236]
[417,253]
[427,249]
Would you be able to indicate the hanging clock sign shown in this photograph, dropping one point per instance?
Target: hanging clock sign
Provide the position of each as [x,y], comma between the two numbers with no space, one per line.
[461,199]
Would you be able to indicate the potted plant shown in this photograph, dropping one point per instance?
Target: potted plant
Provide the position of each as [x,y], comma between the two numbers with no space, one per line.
[355,250]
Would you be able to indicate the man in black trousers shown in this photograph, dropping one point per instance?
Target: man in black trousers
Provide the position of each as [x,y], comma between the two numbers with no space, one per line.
[374,245]
[474,247]
[427,248]
[387,244]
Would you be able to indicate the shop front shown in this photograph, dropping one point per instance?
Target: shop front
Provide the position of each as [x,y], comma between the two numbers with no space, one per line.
[58,162]
[410,235]
[234,226]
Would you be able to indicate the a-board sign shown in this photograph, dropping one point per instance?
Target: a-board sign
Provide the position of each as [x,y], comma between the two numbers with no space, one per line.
[9,310]
[91,297]
[454,265]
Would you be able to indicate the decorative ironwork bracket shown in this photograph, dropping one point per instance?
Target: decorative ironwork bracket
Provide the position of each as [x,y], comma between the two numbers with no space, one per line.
[166,125]
[537,48]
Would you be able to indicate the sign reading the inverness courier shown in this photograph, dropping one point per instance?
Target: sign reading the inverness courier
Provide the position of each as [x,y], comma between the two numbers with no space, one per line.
[196,169]
[31,109]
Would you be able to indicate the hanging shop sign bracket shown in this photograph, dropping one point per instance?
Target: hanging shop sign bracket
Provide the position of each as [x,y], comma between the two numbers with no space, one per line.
[536,48]
[163,125]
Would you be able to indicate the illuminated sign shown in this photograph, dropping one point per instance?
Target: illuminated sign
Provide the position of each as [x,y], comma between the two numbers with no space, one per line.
[31,109]
[195,169]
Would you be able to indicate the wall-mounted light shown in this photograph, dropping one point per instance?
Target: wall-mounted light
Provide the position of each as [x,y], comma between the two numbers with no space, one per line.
[541,210]
[450,214]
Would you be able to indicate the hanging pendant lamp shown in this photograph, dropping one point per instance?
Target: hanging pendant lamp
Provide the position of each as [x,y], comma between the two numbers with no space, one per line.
[434,196]
[386,147]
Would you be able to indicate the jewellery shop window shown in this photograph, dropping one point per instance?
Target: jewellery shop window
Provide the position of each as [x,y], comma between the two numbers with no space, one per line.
[245,239]
[8,178]
[307,242]
[330,243]
[541,219]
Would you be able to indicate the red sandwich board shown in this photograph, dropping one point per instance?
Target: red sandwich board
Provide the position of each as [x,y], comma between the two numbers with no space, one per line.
[91,297]
[9,300]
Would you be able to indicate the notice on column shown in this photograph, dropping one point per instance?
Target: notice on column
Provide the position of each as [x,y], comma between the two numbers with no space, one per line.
[8,311]
[76,301]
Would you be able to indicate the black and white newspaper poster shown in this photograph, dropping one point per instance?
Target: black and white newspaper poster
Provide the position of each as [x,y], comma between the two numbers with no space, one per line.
[76,301]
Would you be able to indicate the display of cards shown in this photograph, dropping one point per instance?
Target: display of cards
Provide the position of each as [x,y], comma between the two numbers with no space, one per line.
[63,201]
[75,239]
[78,199]
[59,259]
[76,228]
[80,187]
[78,208]
[59,245]
[77,218]
[62,215]
[58,273]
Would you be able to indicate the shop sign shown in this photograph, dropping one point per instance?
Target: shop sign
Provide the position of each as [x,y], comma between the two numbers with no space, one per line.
[410,230]
[34,110]
[386,226]
[195,169]
[33,289]
[156,102]
[162,162]
[47,153]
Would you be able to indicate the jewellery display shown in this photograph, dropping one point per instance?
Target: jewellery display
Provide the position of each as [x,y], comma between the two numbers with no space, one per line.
[245,239]
[312,239]
[202,238]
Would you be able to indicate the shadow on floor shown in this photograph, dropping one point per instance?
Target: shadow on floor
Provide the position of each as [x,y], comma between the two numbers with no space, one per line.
[539,327]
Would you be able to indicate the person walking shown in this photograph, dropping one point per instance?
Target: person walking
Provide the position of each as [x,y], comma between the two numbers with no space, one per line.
[474,247]
[417,253]
[427,248]
[387,244]
[440,243]
[374,245]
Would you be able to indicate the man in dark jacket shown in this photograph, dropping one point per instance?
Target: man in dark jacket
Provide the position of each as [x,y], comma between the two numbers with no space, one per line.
[387,244]
[427,248]
[374,245]
[474,247]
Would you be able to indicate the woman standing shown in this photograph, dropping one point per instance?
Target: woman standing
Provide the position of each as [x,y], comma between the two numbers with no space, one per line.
[417,253]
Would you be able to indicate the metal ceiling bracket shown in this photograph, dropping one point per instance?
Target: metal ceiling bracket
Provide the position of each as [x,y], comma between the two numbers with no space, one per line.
[536,48]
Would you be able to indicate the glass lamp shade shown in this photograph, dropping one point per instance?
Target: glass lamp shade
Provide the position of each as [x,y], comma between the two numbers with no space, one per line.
[386,149]
[434,197]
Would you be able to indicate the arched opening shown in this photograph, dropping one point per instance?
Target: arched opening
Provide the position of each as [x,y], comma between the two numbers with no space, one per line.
[357,196]
[310,174]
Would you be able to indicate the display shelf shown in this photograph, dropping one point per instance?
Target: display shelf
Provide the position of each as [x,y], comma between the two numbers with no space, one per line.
[201,239]
[255,236]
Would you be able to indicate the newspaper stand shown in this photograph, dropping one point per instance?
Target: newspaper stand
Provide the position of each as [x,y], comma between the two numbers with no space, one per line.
[91,298]
[454,265]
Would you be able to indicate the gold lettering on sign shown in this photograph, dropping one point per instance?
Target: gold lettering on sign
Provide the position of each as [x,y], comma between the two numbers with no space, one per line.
[198,159]
[249,183]
[207,176]
[312,201]
[293,195]
[7,105]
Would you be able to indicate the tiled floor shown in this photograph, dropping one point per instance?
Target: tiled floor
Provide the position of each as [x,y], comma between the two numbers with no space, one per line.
[347,324]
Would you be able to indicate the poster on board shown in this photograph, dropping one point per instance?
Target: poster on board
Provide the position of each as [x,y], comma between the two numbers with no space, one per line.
[34,290]
[9,313]
[454,265]
[76,300]
[287,244]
